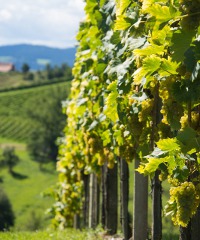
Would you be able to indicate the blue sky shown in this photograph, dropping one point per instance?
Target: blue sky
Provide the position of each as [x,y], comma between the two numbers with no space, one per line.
[45,22]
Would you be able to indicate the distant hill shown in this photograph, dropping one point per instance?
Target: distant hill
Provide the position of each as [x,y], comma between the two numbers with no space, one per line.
[36,56]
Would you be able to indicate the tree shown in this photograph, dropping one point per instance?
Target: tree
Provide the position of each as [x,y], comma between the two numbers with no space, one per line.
[50,72]
[50,122]
[30,76]
[25,68]
[9,158]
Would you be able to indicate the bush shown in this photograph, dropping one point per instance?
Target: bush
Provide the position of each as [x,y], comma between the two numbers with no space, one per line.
[6,213]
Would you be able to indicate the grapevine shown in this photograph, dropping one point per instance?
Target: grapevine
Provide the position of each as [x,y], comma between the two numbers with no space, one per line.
[135,92]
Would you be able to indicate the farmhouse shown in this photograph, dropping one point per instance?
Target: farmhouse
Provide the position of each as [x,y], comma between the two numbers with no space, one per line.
[6,67]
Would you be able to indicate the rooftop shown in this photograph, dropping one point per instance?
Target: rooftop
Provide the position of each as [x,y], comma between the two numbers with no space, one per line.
[6,67]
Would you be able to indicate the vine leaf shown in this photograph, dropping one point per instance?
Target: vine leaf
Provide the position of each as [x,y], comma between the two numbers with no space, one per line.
[110,109]
[121,6]
[151,166]
[169,144]
[179,47]
[190,140]
[106,137]
[169,67]
[150,65]
[122,23]
[161,13]
[149,50]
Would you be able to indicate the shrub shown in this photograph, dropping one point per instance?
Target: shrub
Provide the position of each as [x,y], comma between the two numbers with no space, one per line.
[6,213]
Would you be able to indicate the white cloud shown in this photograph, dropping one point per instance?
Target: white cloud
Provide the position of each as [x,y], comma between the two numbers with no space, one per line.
[49,22]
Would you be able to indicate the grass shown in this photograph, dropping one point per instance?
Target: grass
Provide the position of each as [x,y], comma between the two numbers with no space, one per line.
[16,79]
[25,189]
[68,234]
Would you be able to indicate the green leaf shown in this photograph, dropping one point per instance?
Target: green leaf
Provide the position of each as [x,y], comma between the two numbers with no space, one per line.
[149,50]
[169,144]
[121,6]
[179,47]
[118,136]
[181,173]
[115,39]
[100,68]
[110,109]
[161,13]
[169,67]
[150,65]
[186,135]
[122,23]
[153,164]
[106,137]
[90,6]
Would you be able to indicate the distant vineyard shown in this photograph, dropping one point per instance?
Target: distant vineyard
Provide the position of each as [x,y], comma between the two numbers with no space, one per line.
[17,108]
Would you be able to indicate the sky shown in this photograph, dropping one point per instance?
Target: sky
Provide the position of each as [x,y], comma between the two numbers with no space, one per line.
[52,23]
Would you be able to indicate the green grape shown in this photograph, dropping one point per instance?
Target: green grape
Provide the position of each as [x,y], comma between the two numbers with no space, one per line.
[127,152]
[174,182]
[194,120]
[93,143]
[171,110]
[186,198]
[146,111]
[163,176]
[134,126]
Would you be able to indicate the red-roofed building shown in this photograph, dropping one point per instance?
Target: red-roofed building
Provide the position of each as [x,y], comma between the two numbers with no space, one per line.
[6,67]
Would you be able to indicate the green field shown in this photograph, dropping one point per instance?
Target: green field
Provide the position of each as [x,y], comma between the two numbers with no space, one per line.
[18,107]
[13,80]
[25,189]
[16,79]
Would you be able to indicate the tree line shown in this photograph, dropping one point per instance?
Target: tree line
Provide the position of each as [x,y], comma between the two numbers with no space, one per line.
[49,72]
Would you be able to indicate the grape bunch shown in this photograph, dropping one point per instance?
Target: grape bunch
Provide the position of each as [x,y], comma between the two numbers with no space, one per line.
[127,152]
[93,143]
[195,119]
[146,111]
[186,198]
[171,110]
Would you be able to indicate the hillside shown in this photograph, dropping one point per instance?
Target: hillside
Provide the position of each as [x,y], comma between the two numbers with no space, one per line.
[36,56]
[17,105]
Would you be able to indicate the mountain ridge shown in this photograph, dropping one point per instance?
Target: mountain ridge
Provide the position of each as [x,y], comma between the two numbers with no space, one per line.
[36,56]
